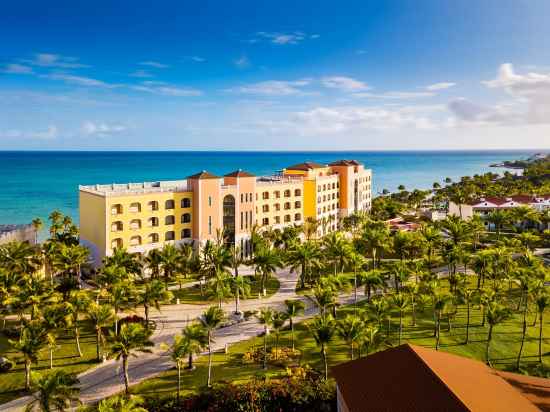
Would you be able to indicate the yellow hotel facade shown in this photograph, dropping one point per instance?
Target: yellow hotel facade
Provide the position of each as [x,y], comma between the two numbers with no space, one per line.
[145,216]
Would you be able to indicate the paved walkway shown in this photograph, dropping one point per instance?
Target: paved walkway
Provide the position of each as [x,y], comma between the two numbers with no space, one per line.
[106,379]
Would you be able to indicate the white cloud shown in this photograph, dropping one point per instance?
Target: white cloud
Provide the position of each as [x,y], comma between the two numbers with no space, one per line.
[101,129]
[50,133]
[343,83]
[242,62]
[154,64]
[360,52]
[440,86]
[17,69]
[163,89]
[274,88]
[55,60]
[77,80]
[396,95]
[282,38]
[197,59]
[141,73]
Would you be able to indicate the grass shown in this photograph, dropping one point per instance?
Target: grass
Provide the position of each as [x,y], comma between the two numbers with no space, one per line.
[504,349]
[12,383]
[193,295]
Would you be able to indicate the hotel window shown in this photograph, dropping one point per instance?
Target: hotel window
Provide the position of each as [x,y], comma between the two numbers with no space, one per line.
[324,187]
[318,188]
[250,218]
[287,218]
[297,192]
[277,219]
[169,204]
[265,208]
[334,185]
[277,207]
[287,193]
[265,195]
[209,225]
[242,223]
[277,194]
[324,198]
[153,221]
[153,205]
[135,224]
[209,200]
[265,221]
[186,218]
[297,205]
[135,207]
[117,227]
[169,220]
[169,235]
[319,199]
[318,210]
[333,196]
[116,243]
[256,196]
[135,241]
[185,203]
[297,217]
[116,209]
[250,196]
[287,205]
[242,198]
[186,233]
[153,238]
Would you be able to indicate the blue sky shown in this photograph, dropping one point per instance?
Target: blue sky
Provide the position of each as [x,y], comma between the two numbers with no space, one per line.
[285,75]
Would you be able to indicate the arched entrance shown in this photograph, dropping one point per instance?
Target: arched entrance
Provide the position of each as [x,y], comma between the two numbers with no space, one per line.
[229,220]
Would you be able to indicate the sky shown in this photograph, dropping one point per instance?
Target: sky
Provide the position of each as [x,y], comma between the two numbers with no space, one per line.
[275,75]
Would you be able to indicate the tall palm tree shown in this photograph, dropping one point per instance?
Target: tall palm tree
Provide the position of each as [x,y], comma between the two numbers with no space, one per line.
[210,320]
[337,250]
[526,286]
[220,287]
[34,337]
[357,261]
[350,329]
[121,296]
[267,261]
[153,261]
[77,307]
[265,317]
[440,300]
[371,279]
[322,328]
[178,351]
[324,297]
[241,287]
[542,300]
[152,294]
[55,391]
[432,237]
[56,224]
[122,404]
[69,260]
[37,225]
[304,257]
[277,322]
[467,295]
[293,309]
[499,218]
[130,262]
[370,339]
[132,338]
[54,317]
[101,316]
[496,313]
[196,338]
[376,239]
[401,302]
[171,260]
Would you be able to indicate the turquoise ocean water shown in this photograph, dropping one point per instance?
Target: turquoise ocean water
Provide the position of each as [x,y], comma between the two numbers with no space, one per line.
[35,183]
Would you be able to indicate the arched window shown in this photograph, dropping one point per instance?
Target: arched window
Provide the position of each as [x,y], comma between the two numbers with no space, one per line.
[135,241]
[116,209]
[297,204]
[153,205]
[153,221]
[186,234]
[185,203]
[287,218]
[153,238]
[135,224]
[265,195]
[135,207]
[287,205]
[116,243]
[297,217]
[297,192]
[117,226]
[265,208]
[169,204]
[277,206]
[265,221]
[169,220]
[169,235]
[186,218]
[287,193]
[277,194]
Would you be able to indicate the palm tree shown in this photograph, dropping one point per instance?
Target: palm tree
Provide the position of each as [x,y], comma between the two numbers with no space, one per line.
[152,294]
[220,287]
[439,302]
[55,391]
[496,313]
[542,300]
[37,225]
[467,296]
[499,218]
[55,317]
[77,306]
[69,260]
[171,261]
[376,239]
[304,256]
[293,309]
[55,218]
[371,279]
[34,337]
[336,249]
[210,320]
[322,329]
[241,287]
[265,317]
[101,317]
[132,338]
[401,302]
[130,262]
[350,329]
[122,404]
[356,261]
[267,261]
[178,353]
[432,237]
[196,338]
[121,295]
[526,285]
[323,297]
[277,322]
[370,335]
[153,260]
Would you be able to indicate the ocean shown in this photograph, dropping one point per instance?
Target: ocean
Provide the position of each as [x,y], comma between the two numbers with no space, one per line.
[35,183]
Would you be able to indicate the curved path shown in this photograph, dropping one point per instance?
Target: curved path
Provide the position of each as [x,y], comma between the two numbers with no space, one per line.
[106,379]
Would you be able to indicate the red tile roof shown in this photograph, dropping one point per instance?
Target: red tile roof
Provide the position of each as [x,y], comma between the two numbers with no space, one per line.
[203,175]
[305,166]
[345,162]
[239,173]
[521,199]
[413,378]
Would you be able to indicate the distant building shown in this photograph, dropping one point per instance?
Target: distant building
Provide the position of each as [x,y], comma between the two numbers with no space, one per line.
[145,216]
[485,205]
[413,378]
[17,233]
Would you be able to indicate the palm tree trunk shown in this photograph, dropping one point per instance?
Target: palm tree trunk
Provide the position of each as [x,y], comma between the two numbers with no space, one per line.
[146,308]
[97,339]
[400,325]
[126,377]
[27,374]
[51,357]
[324,354]
[190,362]
[209,360]
[237,301]
[413,307]
[438,331]
[77,340]
[292,332]
[179,382]
[265,348]
[489,337]
[540,337]
[351,350]
[523,332]
[467,322]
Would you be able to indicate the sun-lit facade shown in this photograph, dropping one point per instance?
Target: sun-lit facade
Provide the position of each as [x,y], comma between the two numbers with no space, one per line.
[145,216]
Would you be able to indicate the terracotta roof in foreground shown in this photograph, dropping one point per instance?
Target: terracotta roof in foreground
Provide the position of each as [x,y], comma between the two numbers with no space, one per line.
[306,166]
[203,175]
[345,162]
[413,378]
[239,173]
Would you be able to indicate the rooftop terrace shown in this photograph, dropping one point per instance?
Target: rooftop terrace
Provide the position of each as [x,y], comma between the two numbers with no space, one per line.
[117,189]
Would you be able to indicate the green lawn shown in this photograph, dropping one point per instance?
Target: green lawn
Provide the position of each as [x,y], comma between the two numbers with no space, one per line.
[66,356]
[193,294]
[504,349]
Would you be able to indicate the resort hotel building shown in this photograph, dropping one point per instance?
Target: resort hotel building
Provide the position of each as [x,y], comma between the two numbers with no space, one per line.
[145,216]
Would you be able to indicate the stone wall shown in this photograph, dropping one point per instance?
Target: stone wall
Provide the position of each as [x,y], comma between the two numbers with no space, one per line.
[19,233]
